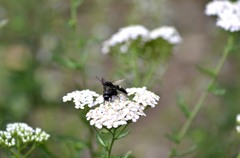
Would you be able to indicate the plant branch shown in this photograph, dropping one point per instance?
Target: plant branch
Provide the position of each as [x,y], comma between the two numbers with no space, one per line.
[203,96]
[111,143]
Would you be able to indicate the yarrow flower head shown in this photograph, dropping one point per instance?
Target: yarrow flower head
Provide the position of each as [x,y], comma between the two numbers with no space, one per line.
[83,98]
[123,36]
[143,97]
[167,33]
[114,114]
[227,13]
[126,35]
[121,109]
[23,133]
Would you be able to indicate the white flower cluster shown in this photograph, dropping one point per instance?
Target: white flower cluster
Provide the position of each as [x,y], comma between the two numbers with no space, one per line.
[114,114]
[167,33]
[143,97]
[23,133]
[238,122]
[227,12]
[121,110]
[127,34]
[82,98]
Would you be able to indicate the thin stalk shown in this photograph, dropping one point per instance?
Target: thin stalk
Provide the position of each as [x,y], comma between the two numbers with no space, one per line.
[109,130]
[91,133]
[111,144]
[204,94]
[90,141]
[30,150]
[74,6]
[149,73]
[238,156]
[83,76]
[16,153]
[135,69]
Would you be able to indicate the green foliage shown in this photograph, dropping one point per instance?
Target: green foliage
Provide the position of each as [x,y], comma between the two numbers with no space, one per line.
[128,155]
[183,106]
[207,71]
[102,140]
[122,134]
[221,133]
[215,89]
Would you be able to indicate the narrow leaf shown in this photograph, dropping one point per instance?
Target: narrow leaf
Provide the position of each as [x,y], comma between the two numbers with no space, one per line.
[127,155]
[188,151]
[215,89]
[101,141]
[238,155]
[46,152]
[207,71]
[123,134]
[172,137]
[183,106]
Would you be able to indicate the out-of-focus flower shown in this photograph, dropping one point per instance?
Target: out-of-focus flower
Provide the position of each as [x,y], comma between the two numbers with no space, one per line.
[23,133]
[167,33]
[227,13]
[126,35]
[120,110]
[6,139]
[238,122]
[3,22]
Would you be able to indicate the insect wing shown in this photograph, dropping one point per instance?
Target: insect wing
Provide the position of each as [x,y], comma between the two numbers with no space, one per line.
[117,82]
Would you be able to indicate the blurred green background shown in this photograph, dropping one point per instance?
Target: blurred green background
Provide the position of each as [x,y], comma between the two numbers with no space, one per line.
[51,47]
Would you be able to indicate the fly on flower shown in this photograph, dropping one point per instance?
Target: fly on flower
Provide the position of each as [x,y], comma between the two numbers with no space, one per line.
[110,89]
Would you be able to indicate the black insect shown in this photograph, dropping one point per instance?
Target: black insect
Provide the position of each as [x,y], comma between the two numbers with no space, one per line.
[111,89]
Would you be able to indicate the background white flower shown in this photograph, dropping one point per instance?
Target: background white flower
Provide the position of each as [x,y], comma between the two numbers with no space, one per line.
[127,34]
[124,35]
[238,122]
[23,133]
[167,33]
[6,139]
[227,12]
[216,7]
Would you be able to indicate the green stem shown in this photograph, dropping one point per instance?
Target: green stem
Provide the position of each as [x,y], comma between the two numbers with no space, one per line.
[30,150]
[238,156]
[74,5]
[16,153]
[149,73]
[91,147]
[84,81]
[203,96]
[111,143]
[135,69]
[91,132]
